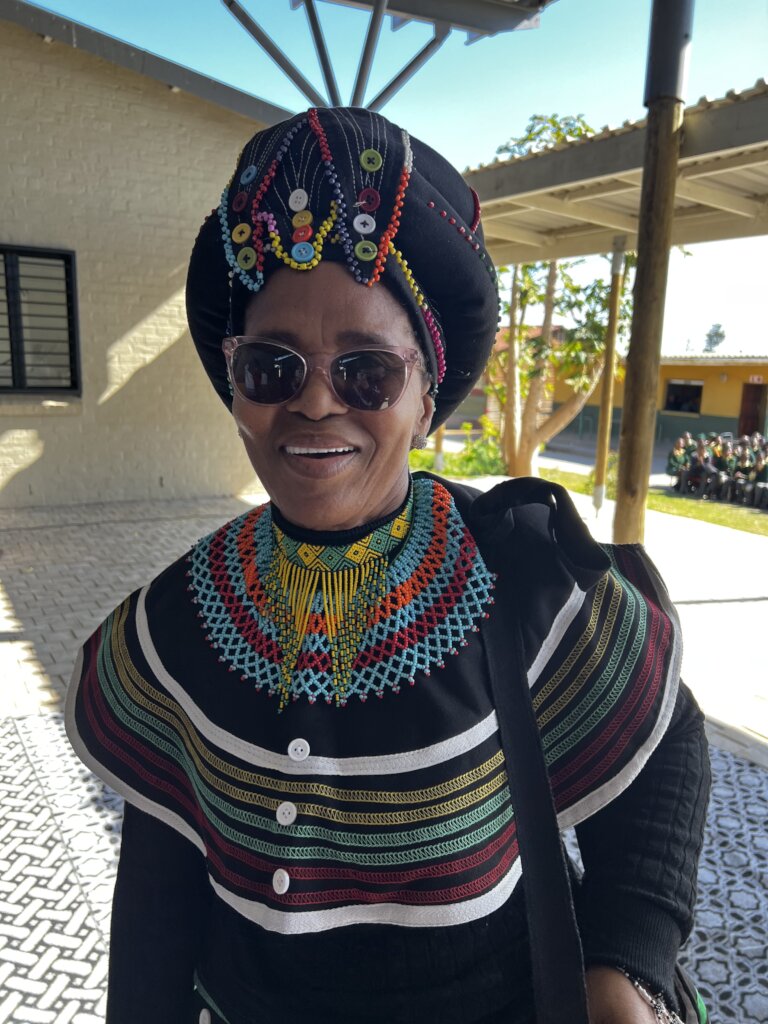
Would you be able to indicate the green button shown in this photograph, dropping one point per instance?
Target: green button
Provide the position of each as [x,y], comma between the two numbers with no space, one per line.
[366,251]
[370,160]
[246,258]
[241,233]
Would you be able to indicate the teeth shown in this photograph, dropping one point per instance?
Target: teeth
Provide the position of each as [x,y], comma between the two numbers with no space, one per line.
[316,451]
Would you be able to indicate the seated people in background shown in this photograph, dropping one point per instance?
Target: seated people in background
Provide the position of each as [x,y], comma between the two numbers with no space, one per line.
[699,471]
[677,461]
[720,484]
[690,444]
[756,488]
[745,445]
[741,475]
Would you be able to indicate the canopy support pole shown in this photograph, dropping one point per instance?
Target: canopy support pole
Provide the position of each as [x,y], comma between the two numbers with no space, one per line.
[322,53]
[442,31]
[366,59]
[609,369]
[671,22]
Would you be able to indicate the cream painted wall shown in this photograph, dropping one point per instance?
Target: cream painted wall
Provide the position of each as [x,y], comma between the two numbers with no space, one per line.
[122,171]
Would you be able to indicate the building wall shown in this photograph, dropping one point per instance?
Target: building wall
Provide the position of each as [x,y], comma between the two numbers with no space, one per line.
[122,171]
[720,400]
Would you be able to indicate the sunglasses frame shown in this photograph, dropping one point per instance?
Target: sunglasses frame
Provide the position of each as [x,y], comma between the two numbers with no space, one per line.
[323,362]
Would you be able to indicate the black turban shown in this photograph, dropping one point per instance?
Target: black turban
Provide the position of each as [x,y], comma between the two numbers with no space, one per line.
[345,184]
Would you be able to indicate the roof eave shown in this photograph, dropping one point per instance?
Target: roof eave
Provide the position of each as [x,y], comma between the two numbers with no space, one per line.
[177,77]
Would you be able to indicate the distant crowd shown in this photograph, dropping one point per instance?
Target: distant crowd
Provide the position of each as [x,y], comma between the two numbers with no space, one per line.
[715,467]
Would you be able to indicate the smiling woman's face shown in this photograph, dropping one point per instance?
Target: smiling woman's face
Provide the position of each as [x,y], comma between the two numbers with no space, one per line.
[324,311]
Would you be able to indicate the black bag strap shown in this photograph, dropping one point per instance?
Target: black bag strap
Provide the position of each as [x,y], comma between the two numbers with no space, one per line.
[556,955]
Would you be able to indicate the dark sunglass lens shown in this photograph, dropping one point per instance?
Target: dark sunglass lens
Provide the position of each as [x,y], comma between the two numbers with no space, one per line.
[267,374]
[370,380]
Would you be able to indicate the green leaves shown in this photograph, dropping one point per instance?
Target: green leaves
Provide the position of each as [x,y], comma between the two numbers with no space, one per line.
[544,131]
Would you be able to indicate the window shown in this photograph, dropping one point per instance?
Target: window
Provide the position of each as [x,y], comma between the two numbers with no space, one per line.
[39,349]
[684,396]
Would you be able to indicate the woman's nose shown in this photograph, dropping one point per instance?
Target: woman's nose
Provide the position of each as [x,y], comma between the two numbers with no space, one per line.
[316,399]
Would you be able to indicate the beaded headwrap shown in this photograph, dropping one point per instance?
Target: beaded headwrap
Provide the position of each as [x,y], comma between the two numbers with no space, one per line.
[345,184]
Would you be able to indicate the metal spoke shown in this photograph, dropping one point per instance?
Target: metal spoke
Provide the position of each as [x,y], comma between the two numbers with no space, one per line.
[442,31]
[366,60]
[275,53]
[322,52]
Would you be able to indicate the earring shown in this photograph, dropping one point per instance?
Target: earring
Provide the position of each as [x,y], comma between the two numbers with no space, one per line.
[419,442]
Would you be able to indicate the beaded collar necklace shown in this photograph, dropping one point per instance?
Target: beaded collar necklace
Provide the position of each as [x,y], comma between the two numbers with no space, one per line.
[341,583]
[335,622]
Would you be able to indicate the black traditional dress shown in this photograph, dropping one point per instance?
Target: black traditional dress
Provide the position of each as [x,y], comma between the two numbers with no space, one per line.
[318,820]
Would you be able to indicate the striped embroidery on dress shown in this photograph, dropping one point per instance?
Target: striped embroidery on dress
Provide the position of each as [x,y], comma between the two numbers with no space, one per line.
[595,699]
[348,843]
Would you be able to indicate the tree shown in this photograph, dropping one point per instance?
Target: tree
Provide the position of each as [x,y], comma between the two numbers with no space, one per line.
[519,376]
[715,336]
[576,359]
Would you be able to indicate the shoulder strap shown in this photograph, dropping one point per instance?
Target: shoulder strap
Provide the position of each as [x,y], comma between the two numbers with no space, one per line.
[556,955]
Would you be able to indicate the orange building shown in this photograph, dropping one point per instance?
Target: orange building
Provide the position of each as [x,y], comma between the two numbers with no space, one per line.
[700,393]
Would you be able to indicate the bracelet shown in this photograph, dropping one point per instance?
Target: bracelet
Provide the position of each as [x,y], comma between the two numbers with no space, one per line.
[657,1003]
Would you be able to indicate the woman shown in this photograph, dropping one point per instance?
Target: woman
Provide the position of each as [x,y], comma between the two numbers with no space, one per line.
[300,712]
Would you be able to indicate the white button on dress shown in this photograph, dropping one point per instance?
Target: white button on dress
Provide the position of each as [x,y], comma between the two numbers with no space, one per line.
[286,813]
[298,750]
[281,881]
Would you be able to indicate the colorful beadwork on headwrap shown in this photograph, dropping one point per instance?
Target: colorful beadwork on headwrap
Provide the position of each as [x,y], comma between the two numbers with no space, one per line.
[385,245]
[434,331]
[246,245]
[435,588]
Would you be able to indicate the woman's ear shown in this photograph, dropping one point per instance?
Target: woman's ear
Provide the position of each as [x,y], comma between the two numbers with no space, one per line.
[427,409]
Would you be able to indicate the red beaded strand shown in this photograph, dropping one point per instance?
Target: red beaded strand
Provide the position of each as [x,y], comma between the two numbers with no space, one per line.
[392,227]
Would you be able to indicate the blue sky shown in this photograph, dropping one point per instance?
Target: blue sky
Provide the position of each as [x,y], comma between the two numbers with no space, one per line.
[588,57]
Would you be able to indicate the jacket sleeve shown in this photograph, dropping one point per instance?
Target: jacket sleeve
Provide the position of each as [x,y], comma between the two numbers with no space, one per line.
[640,854]
[158,919]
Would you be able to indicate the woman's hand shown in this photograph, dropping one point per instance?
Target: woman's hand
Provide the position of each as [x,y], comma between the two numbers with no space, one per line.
[613,999]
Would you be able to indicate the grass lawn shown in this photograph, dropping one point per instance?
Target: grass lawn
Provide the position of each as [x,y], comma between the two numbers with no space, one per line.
[662,500]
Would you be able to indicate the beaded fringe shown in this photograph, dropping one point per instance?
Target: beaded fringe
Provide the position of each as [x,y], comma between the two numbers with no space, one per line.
[345,599]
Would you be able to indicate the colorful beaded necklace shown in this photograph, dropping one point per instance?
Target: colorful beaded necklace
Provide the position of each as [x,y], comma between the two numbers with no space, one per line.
[340,621]
[340,583]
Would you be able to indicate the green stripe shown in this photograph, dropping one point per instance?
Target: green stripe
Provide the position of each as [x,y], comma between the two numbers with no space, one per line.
[121,705]
[629,622]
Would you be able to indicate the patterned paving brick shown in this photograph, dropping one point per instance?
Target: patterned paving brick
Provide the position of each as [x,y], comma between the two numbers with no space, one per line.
[53,951]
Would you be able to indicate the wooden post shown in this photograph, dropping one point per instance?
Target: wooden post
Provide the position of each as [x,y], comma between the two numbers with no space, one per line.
[670,35]
[512,405]
[609,366]
[439,456]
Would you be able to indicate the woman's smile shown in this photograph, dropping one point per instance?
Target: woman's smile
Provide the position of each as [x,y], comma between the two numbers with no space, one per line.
[326,465]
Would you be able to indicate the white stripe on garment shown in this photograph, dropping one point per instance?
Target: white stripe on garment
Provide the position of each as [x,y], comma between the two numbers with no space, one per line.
[563,619]
[302,922]
[261,757]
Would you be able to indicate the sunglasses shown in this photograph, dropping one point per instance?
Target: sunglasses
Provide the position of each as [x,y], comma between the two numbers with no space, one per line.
[268,372]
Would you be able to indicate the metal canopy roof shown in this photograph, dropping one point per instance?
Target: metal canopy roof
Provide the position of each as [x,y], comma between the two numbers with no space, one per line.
[573,200]
[477,17]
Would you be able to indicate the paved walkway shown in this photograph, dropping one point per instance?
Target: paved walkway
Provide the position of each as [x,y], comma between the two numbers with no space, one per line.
[64,569]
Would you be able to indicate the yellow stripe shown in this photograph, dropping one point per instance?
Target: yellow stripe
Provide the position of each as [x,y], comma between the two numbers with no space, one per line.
[582,642]
[595,658]
[160,705]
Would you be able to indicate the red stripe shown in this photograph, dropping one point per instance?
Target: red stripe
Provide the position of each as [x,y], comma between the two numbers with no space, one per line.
[590,780]
[409,897]
[92,690]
